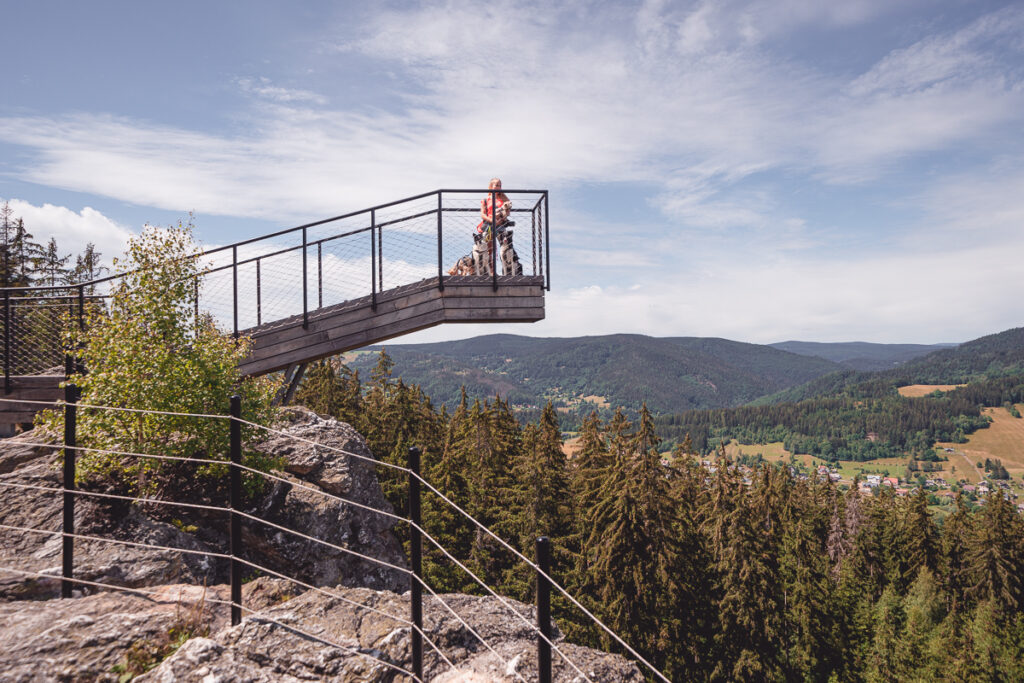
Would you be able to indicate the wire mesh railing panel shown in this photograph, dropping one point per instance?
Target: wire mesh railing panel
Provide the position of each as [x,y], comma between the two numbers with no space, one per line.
[461,220]
[344,268]
[35,341]
[407,248]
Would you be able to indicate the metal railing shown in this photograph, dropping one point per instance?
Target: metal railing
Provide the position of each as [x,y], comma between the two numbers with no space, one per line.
[299,271]
[541,626]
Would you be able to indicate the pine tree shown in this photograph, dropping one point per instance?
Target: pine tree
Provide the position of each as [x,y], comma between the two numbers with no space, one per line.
[633,545]
[88,267]
[995,556]
[920,539]
[52,266]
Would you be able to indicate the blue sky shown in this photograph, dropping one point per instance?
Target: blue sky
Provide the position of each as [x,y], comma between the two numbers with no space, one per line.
[761,170]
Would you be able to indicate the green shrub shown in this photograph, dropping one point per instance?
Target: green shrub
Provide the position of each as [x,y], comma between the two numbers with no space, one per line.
[147,349]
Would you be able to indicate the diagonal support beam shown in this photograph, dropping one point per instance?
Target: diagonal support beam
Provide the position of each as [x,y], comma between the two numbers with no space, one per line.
[292,377]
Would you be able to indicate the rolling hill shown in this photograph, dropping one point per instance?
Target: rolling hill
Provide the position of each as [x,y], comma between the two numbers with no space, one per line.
[581,373]
[862,356]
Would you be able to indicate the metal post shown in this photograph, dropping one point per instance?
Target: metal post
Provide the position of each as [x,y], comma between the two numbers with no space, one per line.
[7,341]
[494,241]
[440,265]
[195,293]
[544,610]
[236,504]
[416,557]
[259,301]
[320,274]
[234,284]
[305,304]
[380,259]
[373,259]
[68,548]
[81,308]
[546,245]
[533,238]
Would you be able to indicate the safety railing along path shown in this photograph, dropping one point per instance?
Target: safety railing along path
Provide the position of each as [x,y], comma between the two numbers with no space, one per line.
[542,625]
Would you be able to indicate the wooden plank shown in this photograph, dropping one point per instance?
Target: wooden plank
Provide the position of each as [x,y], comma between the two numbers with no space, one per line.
[347,315]
[35,381]
[487,291]
[15,405]
[354,340]
[496,302]
[327,322]
[12,417]
[41,393]
[368,320]
[494,315]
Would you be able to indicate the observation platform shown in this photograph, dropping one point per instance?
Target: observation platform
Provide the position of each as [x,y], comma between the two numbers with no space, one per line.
[310,292]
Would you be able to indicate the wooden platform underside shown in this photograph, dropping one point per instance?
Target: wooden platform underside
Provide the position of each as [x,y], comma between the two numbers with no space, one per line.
[398,311]
[343,327]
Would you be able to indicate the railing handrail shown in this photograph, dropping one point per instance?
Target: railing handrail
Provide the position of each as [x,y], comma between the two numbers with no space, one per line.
[286,231]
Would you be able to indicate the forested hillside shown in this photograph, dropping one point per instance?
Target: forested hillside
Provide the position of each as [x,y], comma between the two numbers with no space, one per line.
[713,573]
[584,373]
[861,416]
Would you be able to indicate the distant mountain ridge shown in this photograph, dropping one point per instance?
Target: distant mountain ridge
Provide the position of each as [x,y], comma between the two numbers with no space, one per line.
[672,374]
[862,356]
[994,355]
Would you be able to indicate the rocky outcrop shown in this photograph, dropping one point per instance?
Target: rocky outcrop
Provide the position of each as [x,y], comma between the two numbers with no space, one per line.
[353,629]
[311,636]
[326,468]
[295,503]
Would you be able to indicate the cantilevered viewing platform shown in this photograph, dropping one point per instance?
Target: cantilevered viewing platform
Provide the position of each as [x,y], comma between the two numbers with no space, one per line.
[315,290]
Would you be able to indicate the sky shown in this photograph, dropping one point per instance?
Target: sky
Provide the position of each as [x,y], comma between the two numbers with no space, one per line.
[758,170]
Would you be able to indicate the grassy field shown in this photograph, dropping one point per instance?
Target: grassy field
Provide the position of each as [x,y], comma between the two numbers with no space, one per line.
[916,390]
[1003,440]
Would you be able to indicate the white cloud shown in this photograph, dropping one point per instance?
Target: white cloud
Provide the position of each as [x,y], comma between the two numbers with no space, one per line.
[73,231]
[262,87]
[542,96]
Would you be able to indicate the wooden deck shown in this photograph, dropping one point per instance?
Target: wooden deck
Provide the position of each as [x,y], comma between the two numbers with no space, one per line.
[354,324]
[28,388]
[343,327]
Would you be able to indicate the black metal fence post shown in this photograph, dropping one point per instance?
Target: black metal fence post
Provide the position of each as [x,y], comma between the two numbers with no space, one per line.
[7,342]
[544,610]
[373,259]
[494,241]
[440,265]
[259,299]
[236,504]
[320,274]
[546,245]
[305,277]
[234,286]
[416,557]
[68,546]
[81,308]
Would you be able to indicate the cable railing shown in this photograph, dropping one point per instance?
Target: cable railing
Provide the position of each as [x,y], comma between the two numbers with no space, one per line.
[305,271]
[541,625]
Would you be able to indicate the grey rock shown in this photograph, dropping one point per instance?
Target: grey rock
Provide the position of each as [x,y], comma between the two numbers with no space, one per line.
[304,498]
[326,466]
[325,637]
[84,639]
[26,555]
[343,634]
